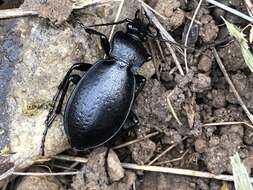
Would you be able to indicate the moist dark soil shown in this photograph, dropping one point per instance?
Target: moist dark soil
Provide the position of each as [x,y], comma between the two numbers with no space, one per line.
[201,96]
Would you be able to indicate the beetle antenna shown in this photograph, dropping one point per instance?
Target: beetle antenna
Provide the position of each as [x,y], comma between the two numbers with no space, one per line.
[128,20]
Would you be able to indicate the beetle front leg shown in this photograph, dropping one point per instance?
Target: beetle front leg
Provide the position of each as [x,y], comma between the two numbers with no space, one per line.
[103,39]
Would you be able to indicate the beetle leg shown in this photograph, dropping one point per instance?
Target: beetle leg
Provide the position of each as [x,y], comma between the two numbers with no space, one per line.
[133,118]
[76,66]
[55,110]
[107,167]
[140,82]
[103,39]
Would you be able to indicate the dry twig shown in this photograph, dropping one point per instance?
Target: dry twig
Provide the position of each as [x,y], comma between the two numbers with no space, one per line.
[166,36]
[176,171]
[250,116]
[165,151]
[229,9]
[173,160]
[135,141]
[47,173]
[249,6]
[188,33]
[227,123]
[116,18]
[173,111]
[14,13]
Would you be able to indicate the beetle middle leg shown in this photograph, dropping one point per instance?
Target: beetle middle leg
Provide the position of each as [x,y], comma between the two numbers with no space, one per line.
[60,95]
[132,117]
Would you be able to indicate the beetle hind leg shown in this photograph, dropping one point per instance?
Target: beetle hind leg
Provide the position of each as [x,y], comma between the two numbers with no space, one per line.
[57,106]
[58,99]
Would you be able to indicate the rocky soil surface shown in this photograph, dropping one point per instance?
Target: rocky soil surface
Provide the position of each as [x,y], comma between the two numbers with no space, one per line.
[35,53]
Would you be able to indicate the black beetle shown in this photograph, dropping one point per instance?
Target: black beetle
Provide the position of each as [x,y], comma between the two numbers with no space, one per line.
[102,100]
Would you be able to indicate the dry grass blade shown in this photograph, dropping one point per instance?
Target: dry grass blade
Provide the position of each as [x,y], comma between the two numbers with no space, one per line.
[177,171]
[79,4]
[165,35]
[173,160]
[241,177]
[14,13]
[228,123]
[173,111]
[238,97]
[116,18]
[47,174]
[135,141]
[188,33]
[165,151]
[150,8]
[249,6]
[233,11]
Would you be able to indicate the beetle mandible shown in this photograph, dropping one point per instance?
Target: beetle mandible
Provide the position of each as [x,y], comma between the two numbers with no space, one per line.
[102,99]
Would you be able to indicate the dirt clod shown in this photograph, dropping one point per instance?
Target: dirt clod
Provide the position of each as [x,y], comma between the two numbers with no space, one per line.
[221,148]
[232,57]
[209,31]
[174,15]
[39,182]
[159,181]
[218,98]
[200,145]
[248,163]
[201,83]
[205,62]
[115,170]
[95,176]
[142,152]
[57,11]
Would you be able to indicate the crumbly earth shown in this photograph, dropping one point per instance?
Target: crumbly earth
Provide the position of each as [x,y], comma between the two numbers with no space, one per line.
[35,55]
[38,182]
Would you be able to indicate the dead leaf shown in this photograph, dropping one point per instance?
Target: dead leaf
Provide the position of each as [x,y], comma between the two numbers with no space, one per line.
[190,111]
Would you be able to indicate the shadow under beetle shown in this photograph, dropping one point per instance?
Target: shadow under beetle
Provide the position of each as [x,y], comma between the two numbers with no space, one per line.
[102,99]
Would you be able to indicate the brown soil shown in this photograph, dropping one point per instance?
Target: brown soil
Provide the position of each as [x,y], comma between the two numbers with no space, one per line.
[201,96]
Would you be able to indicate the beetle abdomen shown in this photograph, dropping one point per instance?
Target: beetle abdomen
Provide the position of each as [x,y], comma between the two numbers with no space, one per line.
[99,105]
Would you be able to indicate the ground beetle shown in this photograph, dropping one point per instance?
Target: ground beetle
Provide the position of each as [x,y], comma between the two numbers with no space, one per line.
[102,100]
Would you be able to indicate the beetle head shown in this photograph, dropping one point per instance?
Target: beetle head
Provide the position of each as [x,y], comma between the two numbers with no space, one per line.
[138,28]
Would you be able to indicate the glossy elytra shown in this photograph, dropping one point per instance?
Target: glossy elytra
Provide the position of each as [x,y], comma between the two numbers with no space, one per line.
[102,99]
